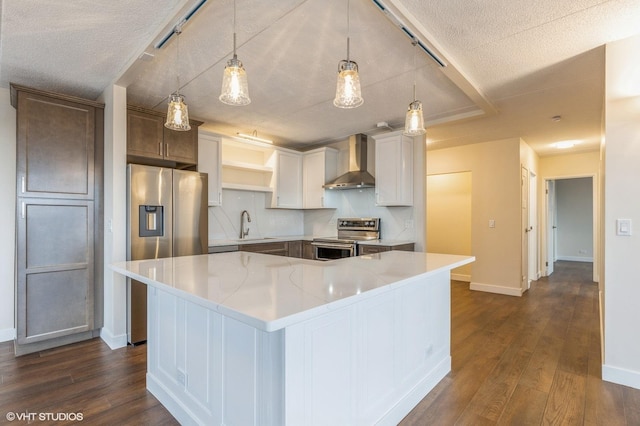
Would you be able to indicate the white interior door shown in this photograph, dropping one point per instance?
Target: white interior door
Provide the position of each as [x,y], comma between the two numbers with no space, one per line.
[533,235]
[551,225]
[525,228]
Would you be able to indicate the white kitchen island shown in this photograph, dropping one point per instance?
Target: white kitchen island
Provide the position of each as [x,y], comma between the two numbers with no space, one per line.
[244,338]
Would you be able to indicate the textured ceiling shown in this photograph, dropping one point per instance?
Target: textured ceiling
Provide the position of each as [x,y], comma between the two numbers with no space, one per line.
[512,65]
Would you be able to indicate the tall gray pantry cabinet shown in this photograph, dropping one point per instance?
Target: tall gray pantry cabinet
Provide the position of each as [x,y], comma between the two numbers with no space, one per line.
[59,222]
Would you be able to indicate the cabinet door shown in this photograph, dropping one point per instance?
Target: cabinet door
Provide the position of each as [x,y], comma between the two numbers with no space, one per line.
[278,248]
[55,258]
[294,249]
[145,134]
[366,249]
[210,162]
[181,147]
[288,188]
[318,168]
[394,171]
[55,148]
[313,179]
[307,250]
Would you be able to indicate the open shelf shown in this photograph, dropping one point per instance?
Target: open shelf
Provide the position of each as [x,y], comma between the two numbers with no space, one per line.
[246,187]
[240,165]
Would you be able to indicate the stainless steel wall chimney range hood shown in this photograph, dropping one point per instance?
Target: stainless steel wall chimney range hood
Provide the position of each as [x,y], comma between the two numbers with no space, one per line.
[357,176]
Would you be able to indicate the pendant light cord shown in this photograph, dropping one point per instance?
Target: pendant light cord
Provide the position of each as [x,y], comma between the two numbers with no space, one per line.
[414,43]
[234,29]
[348,30]
[178,31]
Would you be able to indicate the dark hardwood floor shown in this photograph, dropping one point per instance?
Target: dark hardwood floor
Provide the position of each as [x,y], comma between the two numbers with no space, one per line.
[531,360]
[105,387]
[516,361]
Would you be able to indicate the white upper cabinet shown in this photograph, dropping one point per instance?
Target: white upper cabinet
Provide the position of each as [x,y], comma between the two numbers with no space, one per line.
[318,167]
[209,161]
[286,181]
[394,170]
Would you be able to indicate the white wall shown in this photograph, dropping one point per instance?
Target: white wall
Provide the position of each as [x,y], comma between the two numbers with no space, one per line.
[574,206]
[449,217]
[495,196]
[7,215]
[114,331]
[622,200]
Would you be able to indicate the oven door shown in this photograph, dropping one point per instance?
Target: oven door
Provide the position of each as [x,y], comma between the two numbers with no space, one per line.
[332,251]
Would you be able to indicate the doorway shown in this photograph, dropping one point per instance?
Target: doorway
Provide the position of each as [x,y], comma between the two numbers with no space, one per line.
[571,221]
[529,221]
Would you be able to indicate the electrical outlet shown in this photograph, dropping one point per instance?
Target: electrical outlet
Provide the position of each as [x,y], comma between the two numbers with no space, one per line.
[582,251]
[428,351]
[181,377]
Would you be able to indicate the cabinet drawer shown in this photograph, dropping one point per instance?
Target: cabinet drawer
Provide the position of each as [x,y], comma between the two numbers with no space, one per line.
[276,248]
[365,249]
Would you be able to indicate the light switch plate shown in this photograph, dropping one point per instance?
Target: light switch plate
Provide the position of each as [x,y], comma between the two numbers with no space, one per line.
[492,223]
[623,227]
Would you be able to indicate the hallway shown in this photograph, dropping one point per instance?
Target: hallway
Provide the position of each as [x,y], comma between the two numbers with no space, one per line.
[528,360]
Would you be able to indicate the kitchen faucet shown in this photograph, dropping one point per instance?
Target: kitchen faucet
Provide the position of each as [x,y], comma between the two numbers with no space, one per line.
[244,233]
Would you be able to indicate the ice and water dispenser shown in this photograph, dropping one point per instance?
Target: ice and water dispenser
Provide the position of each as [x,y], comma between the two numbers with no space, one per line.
[151,221]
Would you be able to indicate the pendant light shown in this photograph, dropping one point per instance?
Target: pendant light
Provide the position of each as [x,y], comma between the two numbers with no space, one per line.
[177,112]
[348,94]
[414,122]
[235,90]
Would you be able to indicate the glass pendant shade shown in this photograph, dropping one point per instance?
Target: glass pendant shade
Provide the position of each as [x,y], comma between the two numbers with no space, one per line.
[348,94]
[235,89]
[414,122]
[177,114]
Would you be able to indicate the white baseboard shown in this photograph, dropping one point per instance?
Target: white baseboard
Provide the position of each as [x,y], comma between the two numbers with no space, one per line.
[461,277]
[171,402]
[490,288]
[621,376]
[114,342]
[7,334]
[413,398]
[576,258]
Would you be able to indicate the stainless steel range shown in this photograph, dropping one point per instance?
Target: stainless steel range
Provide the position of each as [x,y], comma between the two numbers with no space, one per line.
[350,231]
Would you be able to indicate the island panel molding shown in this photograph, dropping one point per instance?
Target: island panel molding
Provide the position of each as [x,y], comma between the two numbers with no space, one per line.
[250,338]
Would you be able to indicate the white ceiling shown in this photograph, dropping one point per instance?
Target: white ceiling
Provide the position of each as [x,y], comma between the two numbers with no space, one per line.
[511,64]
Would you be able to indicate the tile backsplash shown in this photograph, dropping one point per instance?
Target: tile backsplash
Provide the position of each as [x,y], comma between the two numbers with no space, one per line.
[224,221]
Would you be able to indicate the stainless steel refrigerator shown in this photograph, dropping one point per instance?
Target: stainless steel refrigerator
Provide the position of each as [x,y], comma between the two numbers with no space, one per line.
[166,217]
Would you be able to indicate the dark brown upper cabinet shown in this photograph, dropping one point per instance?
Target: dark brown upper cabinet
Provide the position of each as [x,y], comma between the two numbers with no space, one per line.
[149,142]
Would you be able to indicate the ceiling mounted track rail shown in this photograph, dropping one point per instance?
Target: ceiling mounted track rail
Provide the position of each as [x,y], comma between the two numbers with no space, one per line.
[398,23]
[181,22]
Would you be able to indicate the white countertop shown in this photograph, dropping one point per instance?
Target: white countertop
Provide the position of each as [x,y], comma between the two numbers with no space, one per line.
[384,242]
[271,292]
[261,240]
[258,240]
